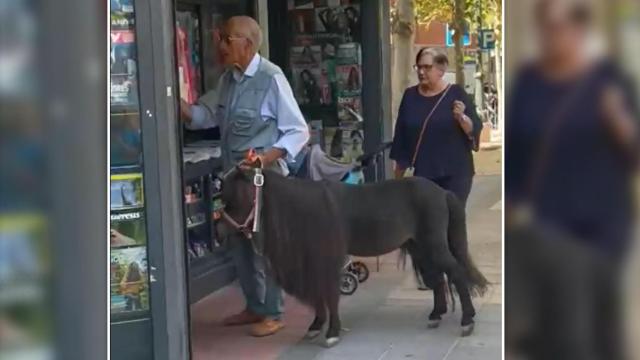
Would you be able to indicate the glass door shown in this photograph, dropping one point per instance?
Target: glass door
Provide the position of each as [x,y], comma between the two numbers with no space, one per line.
[129,267]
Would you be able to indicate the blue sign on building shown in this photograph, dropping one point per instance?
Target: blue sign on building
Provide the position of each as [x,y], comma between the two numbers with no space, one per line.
[466,39]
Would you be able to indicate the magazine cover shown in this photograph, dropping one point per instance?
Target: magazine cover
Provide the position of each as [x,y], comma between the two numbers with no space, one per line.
[352,140]
[317,135]
[123,60]
[125,139]
[306,55]
[349,109]
[349,54]
[326,86]
[129,280]
[125,6]
[349,78]
[306,85]
[124,91]
[122,21]
[352,15]
[323,19]
[302,21]
[128,229]
[126,191]
[185,69]
[333,142]
[332,20]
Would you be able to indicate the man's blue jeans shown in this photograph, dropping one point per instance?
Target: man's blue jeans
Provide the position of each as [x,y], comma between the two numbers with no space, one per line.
[262,294]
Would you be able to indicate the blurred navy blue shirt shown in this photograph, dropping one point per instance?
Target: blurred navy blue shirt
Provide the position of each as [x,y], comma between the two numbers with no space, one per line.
[586,183]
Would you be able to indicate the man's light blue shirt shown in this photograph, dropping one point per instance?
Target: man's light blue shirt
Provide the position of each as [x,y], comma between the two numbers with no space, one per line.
[279,105]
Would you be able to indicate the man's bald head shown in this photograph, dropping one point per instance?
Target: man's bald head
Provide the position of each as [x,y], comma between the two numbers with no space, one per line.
[247,27]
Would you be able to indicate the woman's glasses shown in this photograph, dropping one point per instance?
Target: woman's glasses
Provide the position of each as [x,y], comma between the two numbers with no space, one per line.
[424,67]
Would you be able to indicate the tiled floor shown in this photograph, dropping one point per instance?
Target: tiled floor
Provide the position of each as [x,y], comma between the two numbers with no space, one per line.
[210,340]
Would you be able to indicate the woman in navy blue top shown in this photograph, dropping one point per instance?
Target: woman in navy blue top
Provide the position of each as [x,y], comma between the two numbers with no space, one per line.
[444,155]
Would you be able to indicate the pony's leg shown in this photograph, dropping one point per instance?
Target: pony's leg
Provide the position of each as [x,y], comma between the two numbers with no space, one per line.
[457,275]
[318,322]
[435,280]
[333,333]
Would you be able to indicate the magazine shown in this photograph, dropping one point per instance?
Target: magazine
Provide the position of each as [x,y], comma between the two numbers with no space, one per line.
[306,85]
[349,54]
[122,21]
[302,21]
[123,60]
[349,79]
[317,135]
[124,91]
[129,280]
[349,109]
[186,71]
[125,140]
[333,142]
[126,191]
[306,55]
[127,229]
[352,143]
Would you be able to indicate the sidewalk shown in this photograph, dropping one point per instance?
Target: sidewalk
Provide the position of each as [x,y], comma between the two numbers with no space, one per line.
[386,317]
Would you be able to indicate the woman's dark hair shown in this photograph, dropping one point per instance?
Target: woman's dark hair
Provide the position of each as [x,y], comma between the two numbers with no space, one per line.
[438,57]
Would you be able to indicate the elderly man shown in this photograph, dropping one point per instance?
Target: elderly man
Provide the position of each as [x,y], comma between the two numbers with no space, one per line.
[255,109]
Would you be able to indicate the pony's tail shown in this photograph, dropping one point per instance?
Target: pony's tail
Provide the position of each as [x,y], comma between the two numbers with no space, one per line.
[458,244]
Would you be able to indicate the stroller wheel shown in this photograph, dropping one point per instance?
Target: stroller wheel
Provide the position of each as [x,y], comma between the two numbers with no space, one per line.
[360,270]
[348,284]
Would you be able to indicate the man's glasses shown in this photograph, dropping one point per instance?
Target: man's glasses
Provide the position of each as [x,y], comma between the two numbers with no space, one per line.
[227,39]
[425,67]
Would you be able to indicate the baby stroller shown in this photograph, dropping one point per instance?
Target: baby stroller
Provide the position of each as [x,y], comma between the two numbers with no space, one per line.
[315,164]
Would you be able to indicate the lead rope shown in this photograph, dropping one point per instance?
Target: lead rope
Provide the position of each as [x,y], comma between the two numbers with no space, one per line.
[258,182]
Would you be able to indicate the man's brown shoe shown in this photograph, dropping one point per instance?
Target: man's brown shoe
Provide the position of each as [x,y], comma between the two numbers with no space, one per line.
[244,318]
[266,327]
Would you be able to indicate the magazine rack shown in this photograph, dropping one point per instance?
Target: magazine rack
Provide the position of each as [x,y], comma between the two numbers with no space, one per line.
[210,268]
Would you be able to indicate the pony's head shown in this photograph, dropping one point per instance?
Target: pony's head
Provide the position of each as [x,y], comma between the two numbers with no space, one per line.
[238,194]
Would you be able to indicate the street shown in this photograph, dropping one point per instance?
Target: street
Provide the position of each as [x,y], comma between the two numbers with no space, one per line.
[386,318]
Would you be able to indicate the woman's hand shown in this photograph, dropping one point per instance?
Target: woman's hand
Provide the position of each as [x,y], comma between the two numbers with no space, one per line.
[458,110]
[463,120]
[618,118]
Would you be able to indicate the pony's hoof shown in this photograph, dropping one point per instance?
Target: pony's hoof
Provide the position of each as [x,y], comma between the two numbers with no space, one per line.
[312,334]
[467,329]
[331,342]
[433,324]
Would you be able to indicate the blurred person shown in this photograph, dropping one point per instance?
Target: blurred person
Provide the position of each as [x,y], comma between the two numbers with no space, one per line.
[255,107]
[436,130]
[571,152]
[572,139]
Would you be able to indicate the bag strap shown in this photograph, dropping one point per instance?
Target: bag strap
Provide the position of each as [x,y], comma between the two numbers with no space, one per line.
[424,126]
[543,150]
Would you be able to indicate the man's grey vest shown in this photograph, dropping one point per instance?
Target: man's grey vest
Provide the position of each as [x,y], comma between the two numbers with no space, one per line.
[242,126]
